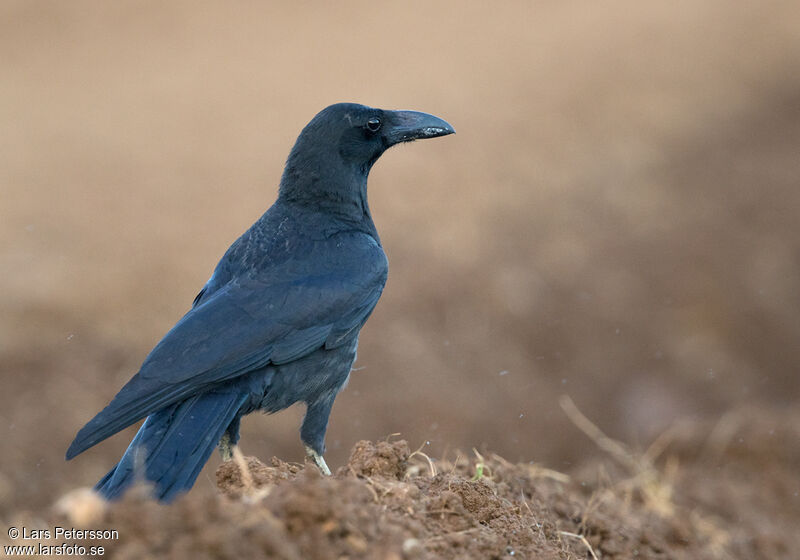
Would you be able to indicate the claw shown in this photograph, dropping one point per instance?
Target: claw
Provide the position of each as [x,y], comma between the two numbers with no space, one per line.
[318,460]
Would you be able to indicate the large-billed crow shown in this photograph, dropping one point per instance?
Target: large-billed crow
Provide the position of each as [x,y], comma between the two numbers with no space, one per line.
[278,321]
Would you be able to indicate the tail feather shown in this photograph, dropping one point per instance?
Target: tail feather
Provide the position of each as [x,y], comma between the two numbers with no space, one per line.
[172,446]
[134,402]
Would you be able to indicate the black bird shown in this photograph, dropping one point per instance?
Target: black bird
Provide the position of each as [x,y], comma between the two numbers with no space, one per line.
[278,321]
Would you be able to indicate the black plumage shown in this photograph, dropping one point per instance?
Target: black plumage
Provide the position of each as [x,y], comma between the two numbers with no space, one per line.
[278,321]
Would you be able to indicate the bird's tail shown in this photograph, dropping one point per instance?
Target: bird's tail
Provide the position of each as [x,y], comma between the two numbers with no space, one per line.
[172,446]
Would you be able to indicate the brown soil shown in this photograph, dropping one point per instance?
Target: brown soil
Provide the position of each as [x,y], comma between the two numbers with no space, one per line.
[692,495]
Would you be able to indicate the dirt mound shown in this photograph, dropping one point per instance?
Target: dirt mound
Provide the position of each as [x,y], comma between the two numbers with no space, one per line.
[388,460]
[234,481]
[390,503]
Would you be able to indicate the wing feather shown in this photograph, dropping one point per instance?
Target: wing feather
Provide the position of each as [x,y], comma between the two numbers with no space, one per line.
[249,323]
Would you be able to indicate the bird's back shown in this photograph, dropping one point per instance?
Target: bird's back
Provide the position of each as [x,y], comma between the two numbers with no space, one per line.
[286,232]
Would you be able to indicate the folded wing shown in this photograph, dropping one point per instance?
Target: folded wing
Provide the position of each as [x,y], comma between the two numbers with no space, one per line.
[322,298]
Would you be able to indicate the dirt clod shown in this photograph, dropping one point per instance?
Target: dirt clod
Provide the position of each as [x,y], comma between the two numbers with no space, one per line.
[383,459]
[259,476]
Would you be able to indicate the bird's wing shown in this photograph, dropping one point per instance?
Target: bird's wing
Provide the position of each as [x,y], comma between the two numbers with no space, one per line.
[249,323]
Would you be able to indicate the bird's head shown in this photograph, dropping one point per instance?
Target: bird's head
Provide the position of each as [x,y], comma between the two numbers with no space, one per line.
[336,150]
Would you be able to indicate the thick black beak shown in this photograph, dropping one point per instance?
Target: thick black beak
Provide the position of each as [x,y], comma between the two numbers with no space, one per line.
[406,126]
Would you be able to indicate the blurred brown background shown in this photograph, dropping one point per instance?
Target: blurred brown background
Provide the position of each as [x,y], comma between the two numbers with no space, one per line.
[617,219]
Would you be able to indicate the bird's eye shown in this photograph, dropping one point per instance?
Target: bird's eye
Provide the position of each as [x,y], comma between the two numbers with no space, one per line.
[373,124]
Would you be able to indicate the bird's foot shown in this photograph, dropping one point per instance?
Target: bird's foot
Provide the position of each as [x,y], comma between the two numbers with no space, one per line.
[318,460]
[226,447]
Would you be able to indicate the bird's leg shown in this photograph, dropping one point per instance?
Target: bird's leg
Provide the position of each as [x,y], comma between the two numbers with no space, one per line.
[229,439]
[226,447]
[318,460]
[313,430]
